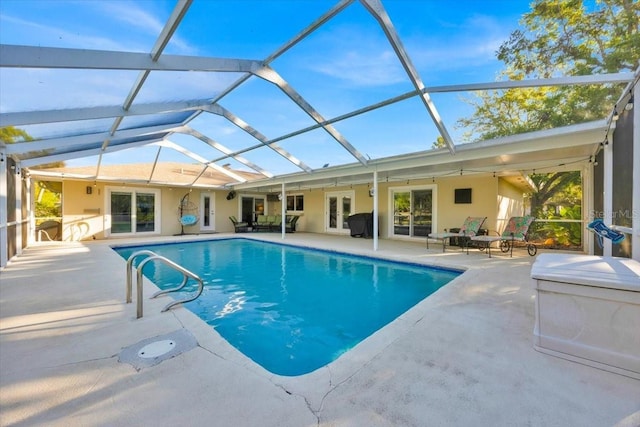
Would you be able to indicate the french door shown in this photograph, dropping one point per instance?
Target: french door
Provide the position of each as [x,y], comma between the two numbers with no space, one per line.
[338,207]
[413,211]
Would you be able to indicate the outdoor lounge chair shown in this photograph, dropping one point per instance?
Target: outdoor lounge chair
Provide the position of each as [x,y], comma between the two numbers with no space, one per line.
[470,228]
[517,230]
[240,227]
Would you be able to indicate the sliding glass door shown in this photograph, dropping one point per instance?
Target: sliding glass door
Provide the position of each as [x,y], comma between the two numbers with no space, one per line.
[133,211]
[251,207]
[413,211]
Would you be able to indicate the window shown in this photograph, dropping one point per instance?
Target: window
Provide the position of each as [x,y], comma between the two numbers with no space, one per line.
[133,211]
[295,202]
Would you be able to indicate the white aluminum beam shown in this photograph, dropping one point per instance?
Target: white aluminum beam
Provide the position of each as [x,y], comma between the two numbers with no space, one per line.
[94,138]
[89,113]
[219,110]
[376,8]
[341,5]
[104,112]
[557,81]
[13,56]
[190,131]
[270,75]
[41,160]
[201,159]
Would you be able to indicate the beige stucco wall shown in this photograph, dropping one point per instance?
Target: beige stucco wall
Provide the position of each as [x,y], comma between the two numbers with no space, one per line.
[510,203]
[483,201]
[82,213]
[491,197]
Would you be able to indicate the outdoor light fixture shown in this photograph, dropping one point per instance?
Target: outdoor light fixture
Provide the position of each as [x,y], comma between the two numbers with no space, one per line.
[629,105]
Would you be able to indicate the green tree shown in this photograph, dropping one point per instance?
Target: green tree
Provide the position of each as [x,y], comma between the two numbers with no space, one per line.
[439,143]
[564,188]
[13,135]
[559,37]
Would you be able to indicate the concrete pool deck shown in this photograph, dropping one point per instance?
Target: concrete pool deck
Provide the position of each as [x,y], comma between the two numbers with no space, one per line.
[463,356]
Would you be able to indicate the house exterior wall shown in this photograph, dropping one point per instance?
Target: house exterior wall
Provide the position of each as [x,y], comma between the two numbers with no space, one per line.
[484,192]
[84,213]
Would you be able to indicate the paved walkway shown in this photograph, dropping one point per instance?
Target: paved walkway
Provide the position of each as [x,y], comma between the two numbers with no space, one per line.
[461,357]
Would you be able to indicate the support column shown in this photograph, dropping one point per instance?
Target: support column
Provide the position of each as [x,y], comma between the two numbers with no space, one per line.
[283,211]
[635,206]
[608,190]
[18,212]
[375,210]
[587,206]
[4,245]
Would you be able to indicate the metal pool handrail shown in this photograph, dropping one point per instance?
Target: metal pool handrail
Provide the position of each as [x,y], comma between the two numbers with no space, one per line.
[152,257]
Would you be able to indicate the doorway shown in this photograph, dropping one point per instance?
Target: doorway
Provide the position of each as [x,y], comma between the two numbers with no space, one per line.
[250,208]
[413,211]
[207,212]
[338,207]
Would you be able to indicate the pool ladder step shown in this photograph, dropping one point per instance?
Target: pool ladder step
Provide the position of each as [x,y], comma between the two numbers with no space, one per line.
[152,256]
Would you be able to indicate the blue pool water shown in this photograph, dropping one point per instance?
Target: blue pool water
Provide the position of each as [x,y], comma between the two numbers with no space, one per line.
[292,310]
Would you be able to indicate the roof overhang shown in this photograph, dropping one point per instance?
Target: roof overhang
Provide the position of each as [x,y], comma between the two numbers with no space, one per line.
[559,148]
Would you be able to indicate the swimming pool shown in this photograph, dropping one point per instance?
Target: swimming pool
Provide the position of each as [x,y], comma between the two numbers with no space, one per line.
[292,310]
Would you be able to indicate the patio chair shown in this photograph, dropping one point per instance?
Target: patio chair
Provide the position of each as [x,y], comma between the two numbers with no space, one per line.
[469,229]
[290,224]
[239,227]
[516,231]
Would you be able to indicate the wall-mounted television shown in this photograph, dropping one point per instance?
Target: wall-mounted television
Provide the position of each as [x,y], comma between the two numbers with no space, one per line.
[462,195]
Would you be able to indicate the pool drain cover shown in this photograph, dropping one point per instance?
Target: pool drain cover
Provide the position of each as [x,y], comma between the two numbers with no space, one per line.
[151,351]
[156,349]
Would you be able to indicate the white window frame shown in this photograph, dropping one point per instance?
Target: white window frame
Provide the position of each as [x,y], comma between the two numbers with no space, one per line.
[295,210]
[133,190]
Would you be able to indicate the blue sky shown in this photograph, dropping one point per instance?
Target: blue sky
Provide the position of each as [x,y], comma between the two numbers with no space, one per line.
[345,65]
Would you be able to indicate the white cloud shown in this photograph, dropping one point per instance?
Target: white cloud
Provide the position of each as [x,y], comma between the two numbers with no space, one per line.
[354,56]
[131,14]
[470,43]
[58,36]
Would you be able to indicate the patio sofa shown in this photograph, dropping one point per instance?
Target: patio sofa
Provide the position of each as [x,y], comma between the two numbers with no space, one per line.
[274,223]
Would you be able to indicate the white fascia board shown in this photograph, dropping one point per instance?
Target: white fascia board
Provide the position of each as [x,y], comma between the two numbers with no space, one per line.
[568,136]
[104,112]
[106,179]
[13,56]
